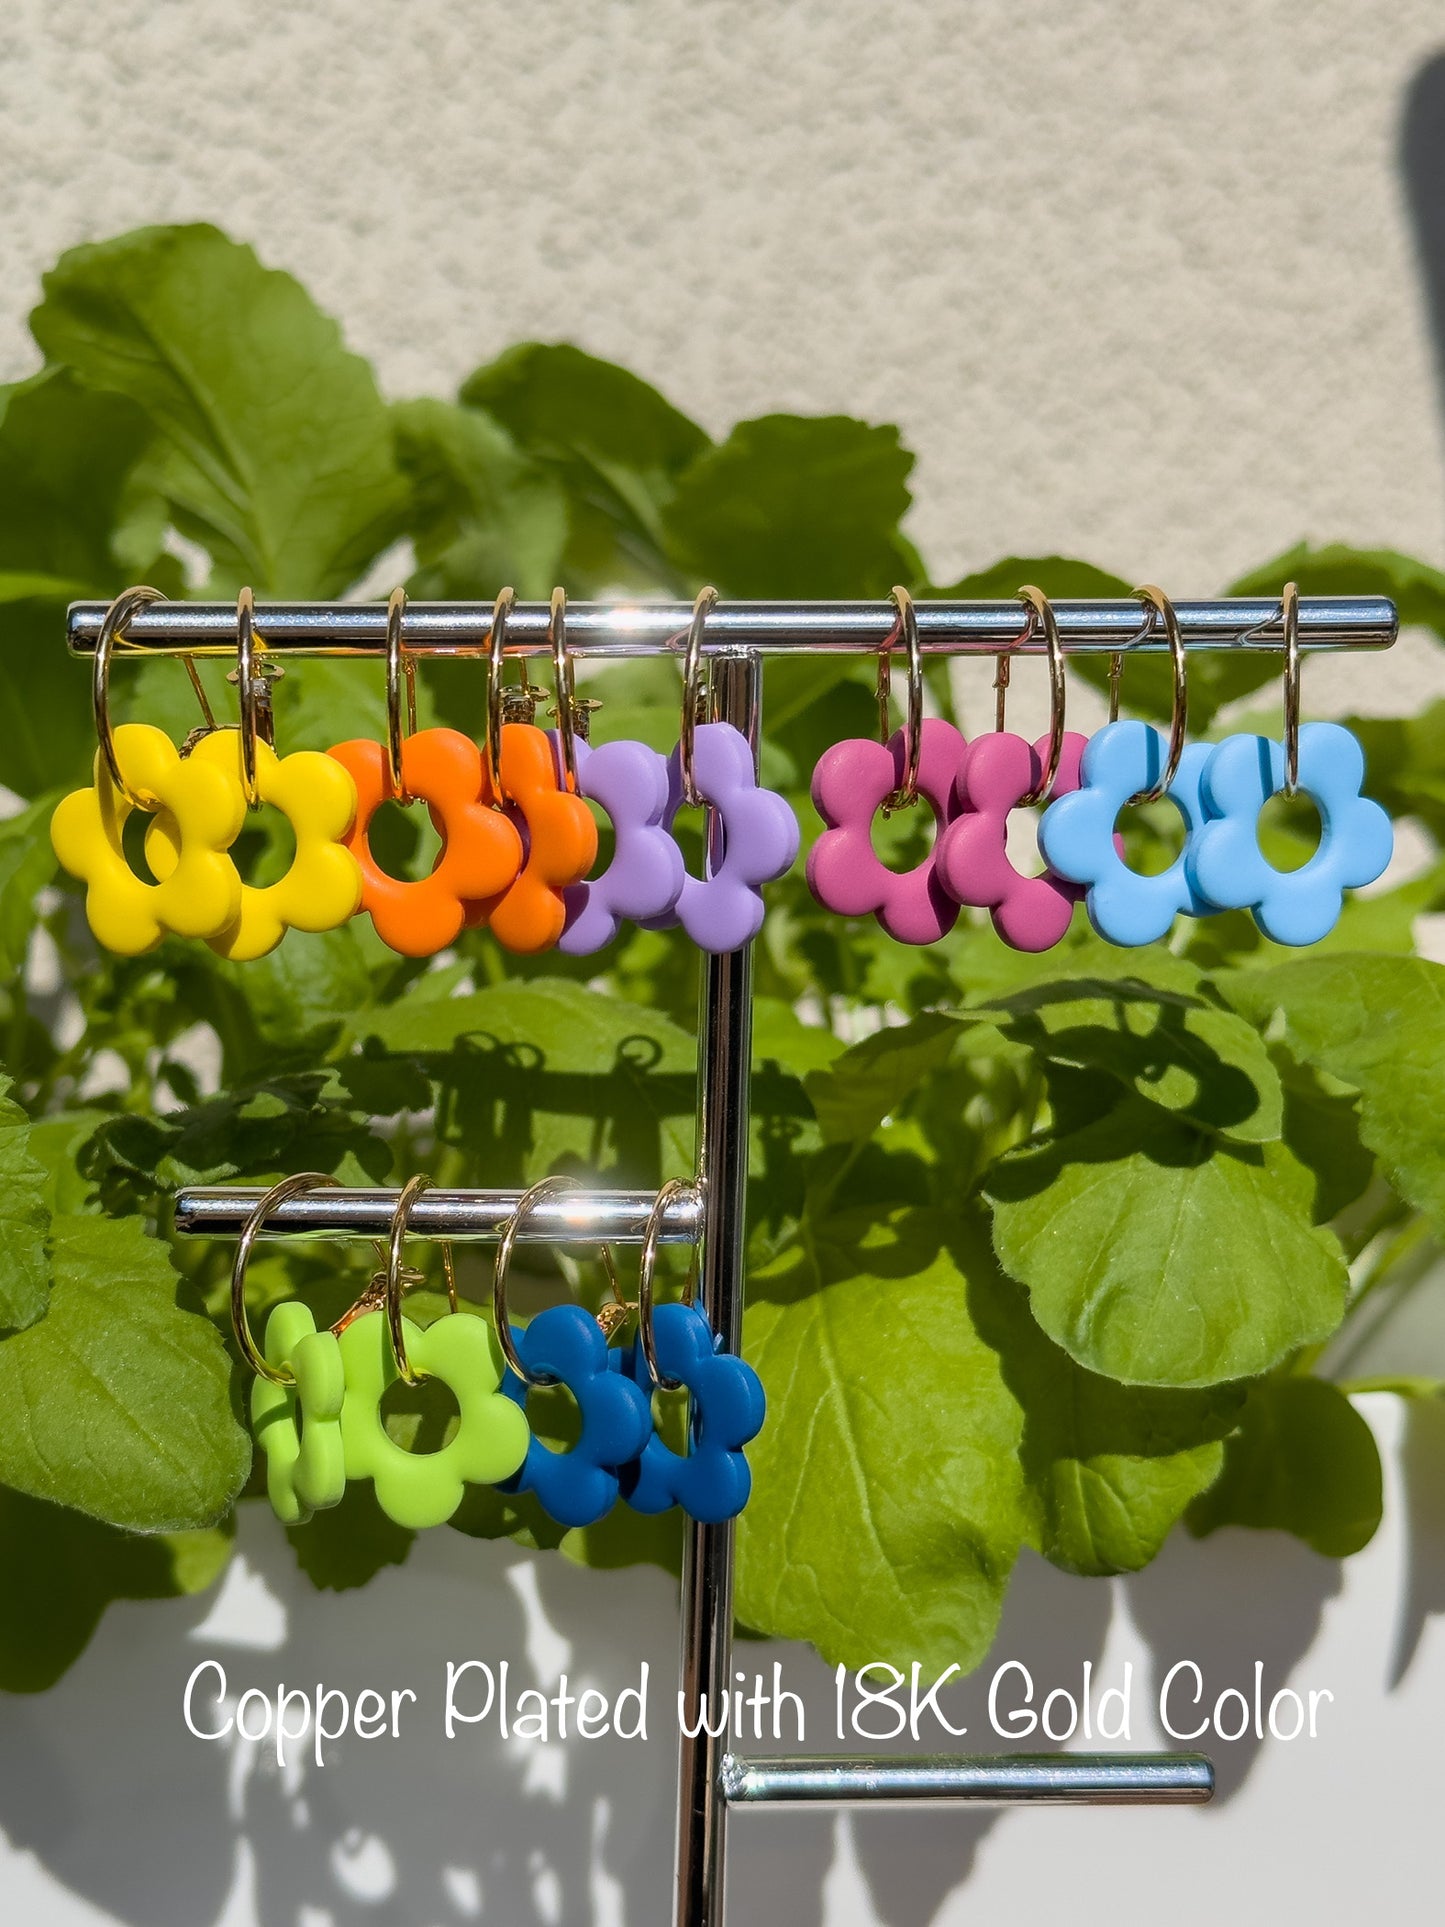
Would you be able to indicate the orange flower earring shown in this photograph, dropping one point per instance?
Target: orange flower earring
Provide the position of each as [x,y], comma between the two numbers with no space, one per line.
[482,852]
[557,832]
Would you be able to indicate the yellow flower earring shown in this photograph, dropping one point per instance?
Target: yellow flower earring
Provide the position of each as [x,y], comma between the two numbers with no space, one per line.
[321,889]
[137,767]
[322,885]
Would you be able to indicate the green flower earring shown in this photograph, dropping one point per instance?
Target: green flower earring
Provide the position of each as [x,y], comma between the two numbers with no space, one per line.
[298,1425]
[300,1387]
[417,1489]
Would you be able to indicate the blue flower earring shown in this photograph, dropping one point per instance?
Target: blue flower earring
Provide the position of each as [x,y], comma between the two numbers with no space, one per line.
[676,1348]
[1131,762]
[565,1345]
[1326,763]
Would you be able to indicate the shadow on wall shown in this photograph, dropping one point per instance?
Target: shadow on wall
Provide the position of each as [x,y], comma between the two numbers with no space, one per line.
[101,1781]
[1422,160]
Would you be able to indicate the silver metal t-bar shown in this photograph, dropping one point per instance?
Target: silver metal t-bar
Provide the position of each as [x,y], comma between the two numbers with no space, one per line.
[1247,623]
[341,1211]
[1008,1779]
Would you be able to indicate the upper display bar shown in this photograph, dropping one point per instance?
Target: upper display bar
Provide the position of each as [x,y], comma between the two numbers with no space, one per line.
[607,629]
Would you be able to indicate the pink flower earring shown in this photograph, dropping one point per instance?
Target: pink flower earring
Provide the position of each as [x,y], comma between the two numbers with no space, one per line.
[855,779]
[1001,773]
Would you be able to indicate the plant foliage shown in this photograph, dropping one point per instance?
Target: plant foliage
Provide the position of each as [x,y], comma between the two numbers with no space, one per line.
[1044,1251]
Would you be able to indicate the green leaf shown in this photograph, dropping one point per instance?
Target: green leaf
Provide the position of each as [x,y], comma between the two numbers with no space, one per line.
[1378,1024]
[27,864]
[794,505]
[1170,1046]
[868,1081]
[55,1144]
[278,452]
[887,1506]
[1405,757]
[65,455]
[1112,1466]
[1155,1254]
[1322,1128]
[348,1544]
[1417,588]
[781,1037]
[576,1029]
[119,1401]
[614,445]
[481,512]
[284,1124]
[24,1220]
[72,1568]
[545,1074]
[296,1001]
[1302,1461]
[1060,576]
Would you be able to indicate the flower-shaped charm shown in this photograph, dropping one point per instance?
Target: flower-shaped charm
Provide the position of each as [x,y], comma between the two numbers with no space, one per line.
[759,833]
[577,1487]
[417,1489]
[559,841]
[646,874]
[1029,912]
[1356,836]
[322,887]
[852,782]
[298,1427]
[202,894]
[481,851]
[711,1481]
[1076,834]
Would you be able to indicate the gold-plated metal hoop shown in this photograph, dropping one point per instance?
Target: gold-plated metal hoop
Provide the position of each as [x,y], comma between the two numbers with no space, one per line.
[113,626]
[566,688]
[692,696]
[1160,607]
[1289,616]
[906,795]
[251,1353]
[399,1276]
[1116,672]
[399,666]
[1116,661]
[1003,665]
[246,690]
[557,1186]
[496,696]
[647,1265]
[1041,610]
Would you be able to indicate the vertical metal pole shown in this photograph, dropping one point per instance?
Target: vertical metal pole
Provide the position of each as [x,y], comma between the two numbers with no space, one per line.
[725,1036]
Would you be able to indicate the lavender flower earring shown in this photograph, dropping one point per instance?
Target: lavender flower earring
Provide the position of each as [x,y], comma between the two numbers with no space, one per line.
[645,877]
[714,764]
[1324,761]
[855,779]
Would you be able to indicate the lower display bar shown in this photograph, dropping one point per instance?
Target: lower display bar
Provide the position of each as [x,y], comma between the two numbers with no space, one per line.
[1005,1779]
[344,1211]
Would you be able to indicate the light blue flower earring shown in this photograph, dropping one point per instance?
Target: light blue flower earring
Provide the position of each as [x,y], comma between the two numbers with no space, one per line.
[1131,762]
[1324,761]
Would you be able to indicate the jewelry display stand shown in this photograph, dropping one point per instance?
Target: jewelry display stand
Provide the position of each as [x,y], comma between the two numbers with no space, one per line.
[739,638]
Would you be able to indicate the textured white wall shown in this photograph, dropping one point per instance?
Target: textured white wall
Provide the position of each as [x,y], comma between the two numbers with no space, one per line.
[1137,282]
